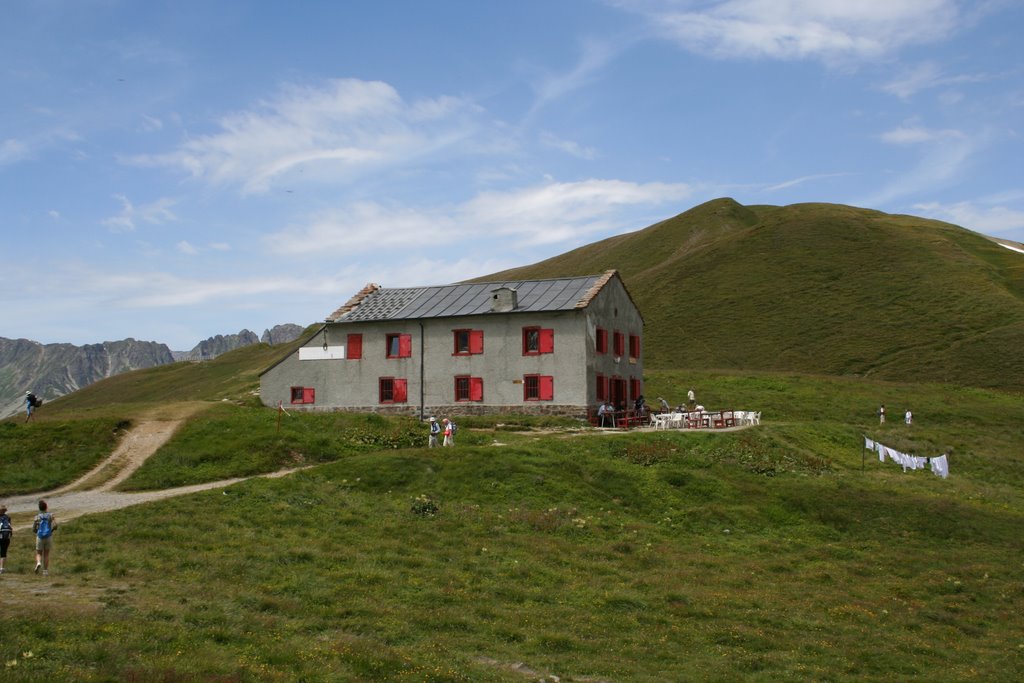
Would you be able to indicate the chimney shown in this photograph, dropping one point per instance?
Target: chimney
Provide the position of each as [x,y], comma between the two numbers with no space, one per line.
[504,299]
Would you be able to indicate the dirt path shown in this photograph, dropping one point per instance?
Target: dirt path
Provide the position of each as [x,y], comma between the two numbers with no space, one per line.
[90,493]
[94,491]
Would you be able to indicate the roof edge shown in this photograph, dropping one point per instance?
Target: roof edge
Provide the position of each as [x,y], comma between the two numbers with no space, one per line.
[596,287]
[354,302]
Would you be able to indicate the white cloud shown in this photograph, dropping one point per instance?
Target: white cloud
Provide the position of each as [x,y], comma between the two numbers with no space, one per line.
[12,150]
[786,184]
[979,216]
[945,157]
[568,146]
[554,86]
[927,75]
[332,132]
[155,213]
[914,135]
[186,248]
[543,214]
[831,30]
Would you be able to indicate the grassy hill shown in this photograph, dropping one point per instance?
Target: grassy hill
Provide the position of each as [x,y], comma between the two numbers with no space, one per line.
[780,553]
[537,548]
[817,288]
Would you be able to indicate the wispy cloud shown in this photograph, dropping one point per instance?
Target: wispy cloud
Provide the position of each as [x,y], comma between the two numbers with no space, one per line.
[980,215]
[332,132]
[130,215]
[914,135]
[945,156]
[552,86]
[545,214]
[828,30]
[786,184]
[570,147]
[928,75]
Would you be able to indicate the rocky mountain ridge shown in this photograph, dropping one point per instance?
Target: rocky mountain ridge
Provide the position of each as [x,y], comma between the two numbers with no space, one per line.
[53,370]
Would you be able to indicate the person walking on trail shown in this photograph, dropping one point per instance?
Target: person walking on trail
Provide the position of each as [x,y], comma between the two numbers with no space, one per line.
[881,414]
[449,432]
[435,430]
[909,417]
[6,532]
[43,525]
[31,402]
[691,398]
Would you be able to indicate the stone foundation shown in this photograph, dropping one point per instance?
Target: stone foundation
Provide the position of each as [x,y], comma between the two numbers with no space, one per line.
[578,412]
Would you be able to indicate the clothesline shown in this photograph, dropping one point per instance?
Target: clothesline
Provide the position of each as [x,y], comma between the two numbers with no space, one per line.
[939,464]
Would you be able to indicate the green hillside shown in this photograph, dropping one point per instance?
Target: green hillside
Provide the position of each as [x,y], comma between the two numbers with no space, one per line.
[538,549]
[817,288]
[778,553]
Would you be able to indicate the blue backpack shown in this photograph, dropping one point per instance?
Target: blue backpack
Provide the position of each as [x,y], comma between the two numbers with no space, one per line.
[45,529]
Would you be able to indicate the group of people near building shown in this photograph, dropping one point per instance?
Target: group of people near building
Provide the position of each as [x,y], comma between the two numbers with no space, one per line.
[445,428]
[606,410]
[43,527]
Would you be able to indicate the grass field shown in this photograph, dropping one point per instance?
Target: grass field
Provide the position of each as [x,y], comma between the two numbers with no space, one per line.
[778,553]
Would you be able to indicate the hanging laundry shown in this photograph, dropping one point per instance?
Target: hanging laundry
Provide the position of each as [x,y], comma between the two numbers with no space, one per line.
[940,466]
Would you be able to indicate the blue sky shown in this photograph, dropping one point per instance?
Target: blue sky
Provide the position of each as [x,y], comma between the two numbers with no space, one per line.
[174,170]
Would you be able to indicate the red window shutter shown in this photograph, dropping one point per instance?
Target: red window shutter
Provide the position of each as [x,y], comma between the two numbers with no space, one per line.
[619,344]
[404,345]
[547,341]
[476,341]
[401,391]
[308,395]
[546,387]
[602,340]
[600,386]
[476,389]
[634,346]
[355,347]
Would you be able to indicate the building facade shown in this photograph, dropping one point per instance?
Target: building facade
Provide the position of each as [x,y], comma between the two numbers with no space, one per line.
[555,346]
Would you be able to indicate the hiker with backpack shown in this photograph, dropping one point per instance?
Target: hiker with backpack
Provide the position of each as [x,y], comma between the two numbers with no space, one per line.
[6,532]
[43,525]
[449,432]
[31,403]
[435,430]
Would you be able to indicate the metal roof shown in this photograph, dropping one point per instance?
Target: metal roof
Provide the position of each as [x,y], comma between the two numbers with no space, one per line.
[560,294]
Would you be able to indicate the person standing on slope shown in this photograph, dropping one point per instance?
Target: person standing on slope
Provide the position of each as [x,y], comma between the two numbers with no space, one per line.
[6,532]
[43,525]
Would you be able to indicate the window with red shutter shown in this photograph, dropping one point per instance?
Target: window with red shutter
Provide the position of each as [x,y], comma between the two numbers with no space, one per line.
[398,345]
[600,387]
[619,345]
[469,388]
[547,341]
[300,395]
[602,340]
[546,386]
[537,340]
[538,387]
[355,347]
[393,390]
[634,347]
[468,342]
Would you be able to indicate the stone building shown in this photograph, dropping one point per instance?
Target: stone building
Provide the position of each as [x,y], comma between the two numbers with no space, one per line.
[554,346]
